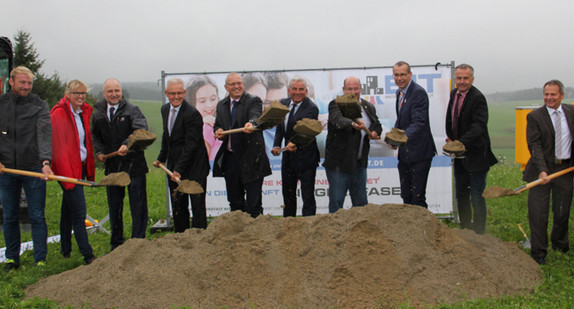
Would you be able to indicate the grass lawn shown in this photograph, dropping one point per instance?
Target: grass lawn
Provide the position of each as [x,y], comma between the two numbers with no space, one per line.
[556,290]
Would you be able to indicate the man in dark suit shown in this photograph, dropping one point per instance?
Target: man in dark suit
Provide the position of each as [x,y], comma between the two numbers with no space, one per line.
[466,121]
[299,163]
[183,147]
[415,158]
[549,132]
[347,149]
[241,158]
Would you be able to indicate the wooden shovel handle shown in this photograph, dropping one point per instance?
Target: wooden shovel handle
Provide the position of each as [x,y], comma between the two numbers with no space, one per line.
[539,181]
[51,177]
[168,172]
[112,154]
[238,130]
[368,131]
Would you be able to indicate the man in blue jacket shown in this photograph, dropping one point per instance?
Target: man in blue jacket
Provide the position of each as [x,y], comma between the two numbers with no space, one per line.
[415,158]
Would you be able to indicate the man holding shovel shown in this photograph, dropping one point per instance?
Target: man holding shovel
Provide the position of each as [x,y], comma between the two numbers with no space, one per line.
[183,147]
[299,163]
[241,159]
[113,120]
[549,131]
[466,121]
[25,144]
[347,149]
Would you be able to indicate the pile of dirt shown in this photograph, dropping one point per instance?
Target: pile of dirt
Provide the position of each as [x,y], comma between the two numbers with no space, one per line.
[377,255]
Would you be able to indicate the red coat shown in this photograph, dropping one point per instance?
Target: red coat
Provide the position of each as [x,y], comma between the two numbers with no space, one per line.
[66,159]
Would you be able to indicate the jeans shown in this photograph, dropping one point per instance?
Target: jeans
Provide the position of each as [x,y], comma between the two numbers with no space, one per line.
[138,207]
[35,189]
[469,187]
[340,182]
[73,216]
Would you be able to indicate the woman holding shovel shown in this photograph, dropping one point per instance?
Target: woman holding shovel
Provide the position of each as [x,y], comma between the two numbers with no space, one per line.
[73,157]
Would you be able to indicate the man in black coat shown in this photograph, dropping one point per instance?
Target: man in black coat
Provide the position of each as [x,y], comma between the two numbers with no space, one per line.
[347,149]
[241,159]
[183,147]
[113,120]
[300,162]
[466,121]
[549,132]
[415,158]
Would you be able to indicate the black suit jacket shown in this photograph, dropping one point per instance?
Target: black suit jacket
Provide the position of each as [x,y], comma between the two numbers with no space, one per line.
[413,117]
[184,150]
[305,157]
[343,141]
[253,159]
[472,130]
[540,137]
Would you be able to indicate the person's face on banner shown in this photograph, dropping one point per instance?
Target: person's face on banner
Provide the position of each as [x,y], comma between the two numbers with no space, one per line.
[297,91]
[206,100]
[352,85]
[463,79]
[234,86]
[175,94]
[258,90]
[402,76]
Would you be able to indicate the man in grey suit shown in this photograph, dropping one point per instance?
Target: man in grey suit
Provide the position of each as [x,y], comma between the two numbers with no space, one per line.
[549,133]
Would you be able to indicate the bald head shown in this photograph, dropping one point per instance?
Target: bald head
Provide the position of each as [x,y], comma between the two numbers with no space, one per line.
[112,91]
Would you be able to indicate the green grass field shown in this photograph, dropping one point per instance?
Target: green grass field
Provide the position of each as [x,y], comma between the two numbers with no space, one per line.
[556,290]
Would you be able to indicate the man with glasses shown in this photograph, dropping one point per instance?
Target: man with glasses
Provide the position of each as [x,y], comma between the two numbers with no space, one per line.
[183,147]
[415,158]
[241,159]
[347,149]
[113,120]
[25,144]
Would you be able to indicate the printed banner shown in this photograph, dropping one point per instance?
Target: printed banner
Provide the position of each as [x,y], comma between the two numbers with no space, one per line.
[378,87]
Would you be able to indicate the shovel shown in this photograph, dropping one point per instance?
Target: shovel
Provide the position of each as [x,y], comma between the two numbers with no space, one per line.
[306,129]
[137,141]
[350,107]
[113,179]
[186,186]
[525,243]
[272,116]
[494,191]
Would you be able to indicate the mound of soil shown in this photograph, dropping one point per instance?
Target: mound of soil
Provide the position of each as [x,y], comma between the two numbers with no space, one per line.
[377,255]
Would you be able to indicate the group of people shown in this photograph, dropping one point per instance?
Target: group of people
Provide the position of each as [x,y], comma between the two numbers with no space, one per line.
[194,131]
[80,135]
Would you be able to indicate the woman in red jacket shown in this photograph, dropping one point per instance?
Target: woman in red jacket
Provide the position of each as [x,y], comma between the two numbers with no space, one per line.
[72,156]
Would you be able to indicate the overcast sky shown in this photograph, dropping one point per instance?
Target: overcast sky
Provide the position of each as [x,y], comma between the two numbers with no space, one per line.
[512,44]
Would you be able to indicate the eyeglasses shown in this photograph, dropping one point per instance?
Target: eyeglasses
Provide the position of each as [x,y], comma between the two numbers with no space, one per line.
[79,93]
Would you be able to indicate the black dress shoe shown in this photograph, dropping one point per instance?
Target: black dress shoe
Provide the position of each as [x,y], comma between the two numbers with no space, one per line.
[539,260]
[11,264]
[90,260]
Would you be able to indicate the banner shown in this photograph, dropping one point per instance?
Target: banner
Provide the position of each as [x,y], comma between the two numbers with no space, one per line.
[204,90]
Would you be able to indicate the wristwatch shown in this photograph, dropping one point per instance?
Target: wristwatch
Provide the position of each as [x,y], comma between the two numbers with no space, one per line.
[46,163]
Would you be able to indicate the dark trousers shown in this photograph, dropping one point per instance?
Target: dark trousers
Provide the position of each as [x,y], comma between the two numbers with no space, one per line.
[413,177]
[138,207]
[469,187]
[241,196]
[538,208]
[289,178]
[180,208]
[73,216]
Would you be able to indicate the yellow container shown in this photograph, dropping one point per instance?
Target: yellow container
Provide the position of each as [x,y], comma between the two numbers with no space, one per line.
[521,152]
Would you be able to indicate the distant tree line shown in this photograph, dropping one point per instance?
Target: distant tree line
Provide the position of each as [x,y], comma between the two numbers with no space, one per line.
[522,95]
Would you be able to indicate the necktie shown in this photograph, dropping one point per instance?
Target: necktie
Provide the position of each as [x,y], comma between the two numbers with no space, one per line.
[291,120]
[456,112]
[234,138]
[558,135]
[401,99]
[112,113]
[172,119]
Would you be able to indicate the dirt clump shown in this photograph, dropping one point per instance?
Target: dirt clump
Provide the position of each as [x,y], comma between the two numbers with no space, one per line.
[364,257]
[495,191]
[120,179]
